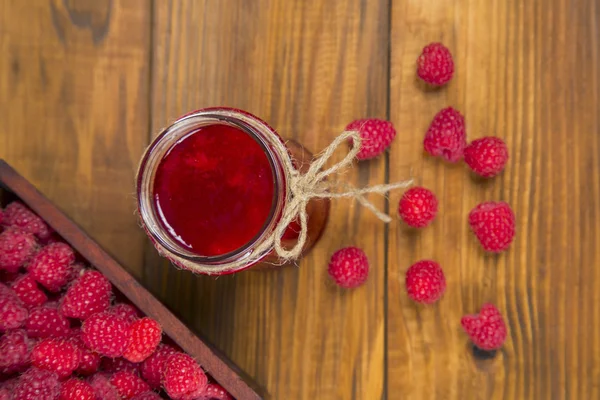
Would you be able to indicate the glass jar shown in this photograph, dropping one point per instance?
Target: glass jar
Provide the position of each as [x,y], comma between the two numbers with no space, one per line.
[221,124]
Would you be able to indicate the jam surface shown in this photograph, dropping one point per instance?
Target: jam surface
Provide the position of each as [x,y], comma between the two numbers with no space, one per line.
[213,190]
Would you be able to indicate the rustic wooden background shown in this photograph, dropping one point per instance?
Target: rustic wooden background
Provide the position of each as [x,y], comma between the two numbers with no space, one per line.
[85,84]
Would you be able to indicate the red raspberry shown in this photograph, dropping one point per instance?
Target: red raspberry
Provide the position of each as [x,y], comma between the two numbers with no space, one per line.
[106,334]
[37,384]
[128,384]
[15,351]
[28,291]
[214,391]
[349,267]
[147,396]
[418,207]
[376,136]
[51,267]
[183,377]
[435,65]
[90,361]
[494,225]
[103,388]
[13,313]
[144,336]
[47,321]
[16,248]
[446,135]
[486,156]
[57,355]
[126,311]
[76,389]
[487,329]
[1,216]
[425,282]
[153,367]
[19,216]
[89,294]
[113,365]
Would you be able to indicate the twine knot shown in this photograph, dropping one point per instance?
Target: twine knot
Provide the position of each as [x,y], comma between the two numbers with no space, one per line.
[314,184]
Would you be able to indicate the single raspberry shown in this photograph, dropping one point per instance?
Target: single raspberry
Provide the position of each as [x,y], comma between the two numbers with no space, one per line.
[486,156]
[126,311]
[487,329]
[15,351]
[349,267]
[144,336]
[76,389]
[37,384]
[1,215]
[19,216]
[183,377]
[418,207]
[13,313]
[446,136]
[153,367]
[147,396]
[16,248]
[51,267]
[435,65]
[103,388]
[494,225]
[128,384]
[105,333]
[425,282]
[28,291]
[90,361]
[89,294]
[119,364]
[57,355]
[214,391]
[47,321]
[376,136]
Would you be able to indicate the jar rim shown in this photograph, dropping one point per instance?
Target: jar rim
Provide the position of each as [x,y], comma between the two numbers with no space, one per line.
[165,140]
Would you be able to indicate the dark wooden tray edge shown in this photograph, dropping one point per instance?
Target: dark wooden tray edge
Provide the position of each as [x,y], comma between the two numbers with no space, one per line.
[225,372]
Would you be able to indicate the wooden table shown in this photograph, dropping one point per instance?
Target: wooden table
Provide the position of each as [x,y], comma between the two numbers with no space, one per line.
[85,84]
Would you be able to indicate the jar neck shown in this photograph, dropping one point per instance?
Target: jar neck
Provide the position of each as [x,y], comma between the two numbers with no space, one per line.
[263,134]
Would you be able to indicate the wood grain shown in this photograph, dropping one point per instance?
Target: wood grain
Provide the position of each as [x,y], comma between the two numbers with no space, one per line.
[527,72]
[74,108]
[308,68]
[220,368]
[75,103]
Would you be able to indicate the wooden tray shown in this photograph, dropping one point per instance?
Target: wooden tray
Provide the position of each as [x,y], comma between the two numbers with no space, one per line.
[214,363]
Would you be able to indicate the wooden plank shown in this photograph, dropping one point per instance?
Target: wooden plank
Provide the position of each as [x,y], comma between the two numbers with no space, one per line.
[74,83]
[219,367]
[527,72]
[308,68]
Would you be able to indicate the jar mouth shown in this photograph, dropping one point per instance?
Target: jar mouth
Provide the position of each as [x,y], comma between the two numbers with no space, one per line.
[262,133]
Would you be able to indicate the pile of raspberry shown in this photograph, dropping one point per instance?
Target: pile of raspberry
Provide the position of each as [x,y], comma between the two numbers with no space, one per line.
[492,222]
[64,336]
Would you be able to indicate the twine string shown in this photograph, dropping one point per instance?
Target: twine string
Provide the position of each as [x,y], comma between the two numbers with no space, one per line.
[313,184]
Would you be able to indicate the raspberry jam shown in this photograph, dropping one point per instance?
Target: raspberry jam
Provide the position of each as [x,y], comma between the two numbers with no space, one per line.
[211,189]
[214,190]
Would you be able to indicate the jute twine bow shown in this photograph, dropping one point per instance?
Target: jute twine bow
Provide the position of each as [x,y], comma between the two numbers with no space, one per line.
[313,184]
